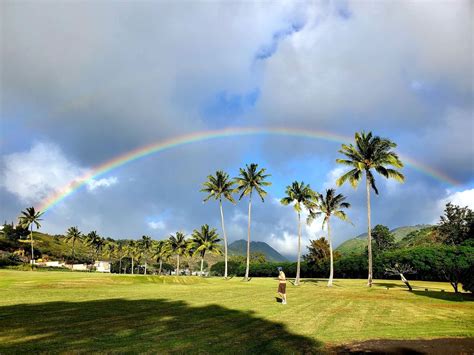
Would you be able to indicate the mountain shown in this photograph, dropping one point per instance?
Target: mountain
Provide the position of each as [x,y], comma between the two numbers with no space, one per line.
[357,244]
[239,247]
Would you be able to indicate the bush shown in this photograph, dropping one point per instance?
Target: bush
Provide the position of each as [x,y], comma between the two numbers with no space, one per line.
[9,259]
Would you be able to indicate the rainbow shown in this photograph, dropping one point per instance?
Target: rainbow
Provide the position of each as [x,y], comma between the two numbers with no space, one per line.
[201,136]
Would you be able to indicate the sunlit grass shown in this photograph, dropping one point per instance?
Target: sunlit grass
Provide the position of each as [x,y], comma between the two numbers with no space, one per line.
[60,311]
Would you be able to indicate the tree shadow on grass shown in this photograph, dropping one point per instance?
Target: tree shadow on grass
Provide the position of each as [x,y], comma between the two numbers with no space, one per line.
[447,296]
[161,326]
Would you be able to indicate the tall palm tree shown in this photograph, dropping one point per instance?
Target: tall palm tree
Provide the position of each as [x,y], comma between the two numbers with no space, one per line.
[369,153]
[251,179]
[29,218]
[96,242]
[132,250]
[302,196]
[329,205]
[145,244]
[161,252]
[205,240]
[218,187]
[121,252]
[110,249]
[178,246]
[73,234]
[90,240]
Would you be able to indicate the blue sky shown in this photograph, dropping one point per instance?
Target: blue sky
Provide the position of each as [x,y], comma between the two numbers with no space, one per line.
[88,81]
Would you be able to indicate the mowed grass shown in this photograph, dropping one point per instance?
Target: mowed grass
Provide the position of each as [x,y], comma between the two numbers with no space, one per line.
[84,312]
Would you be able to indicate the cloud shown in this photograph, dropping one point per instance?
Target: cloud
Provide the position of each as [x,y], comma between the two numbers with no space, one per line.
[104,182]
[157,225]
[35,174]
[464,198]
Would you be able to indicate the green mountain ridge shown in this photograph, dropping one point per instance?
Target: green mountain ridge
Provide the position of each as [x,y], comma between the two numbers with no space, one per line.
[357,244]
[239,247]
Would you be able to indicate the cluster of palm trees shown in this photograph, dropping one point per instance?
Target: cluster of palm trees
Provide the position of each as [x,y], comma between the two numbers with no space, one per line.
[367,155]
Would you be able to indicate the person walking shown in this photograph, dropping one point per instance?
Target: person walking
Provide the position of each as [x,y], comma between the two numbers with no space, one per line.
[282,285]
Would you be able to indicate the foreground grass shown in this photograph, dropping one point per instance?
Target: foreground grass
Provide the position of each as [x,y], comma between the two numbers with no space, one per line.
[65,311]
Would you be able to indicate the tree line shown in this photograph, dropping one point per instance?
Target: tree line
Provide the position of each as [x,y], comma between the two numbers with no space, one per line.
[366,156]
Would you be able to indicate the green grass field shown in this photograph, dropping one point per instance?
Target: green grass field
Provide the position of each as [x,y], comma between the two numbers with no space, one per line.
[82,312]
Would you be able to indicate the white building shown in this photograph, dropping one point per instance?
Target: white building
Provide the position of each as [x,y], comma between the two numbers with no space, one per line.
[102,266]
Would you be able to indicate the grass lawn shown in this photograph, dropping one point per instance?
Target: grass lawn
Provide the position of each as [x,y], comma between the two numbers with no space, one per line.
[82,312]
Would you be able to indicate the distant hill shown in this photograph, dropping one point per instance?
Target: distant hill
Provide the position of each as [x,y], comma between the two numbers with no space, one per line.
[357,244]
[239,247]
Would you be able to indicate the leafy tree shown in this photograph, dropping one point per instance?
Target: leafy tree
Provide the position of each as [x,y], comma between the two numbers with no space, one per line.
[178,246]
[29,218]
[218,187]
[318,250]
[300,195]
[161,251]
[383,239]
[14,233]
[72,235]
[456,225]
[145,244]
[205,240]
[369,153]
[256,257]
[329,205]
[251,179]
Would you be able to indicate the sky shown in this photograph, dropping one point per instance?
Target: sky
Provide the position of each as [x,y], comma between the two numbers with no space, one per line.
[85,82]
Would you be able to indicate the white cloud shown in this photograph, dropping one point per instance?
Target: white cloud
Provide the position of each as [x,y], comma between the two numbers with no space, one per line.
[34,174]
[460,198]
[157,225]
[105,182]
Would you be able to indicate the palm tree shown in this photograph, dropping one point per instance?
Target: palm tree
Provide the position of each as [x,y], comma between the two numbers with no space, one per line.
[220,186]
[145,245]
[330,205]
[205,240]
[302,196]
[121,252]
[178,245]
[30,217]
[250,179]
[161,252]
[370,152]
[73,234]
[132,250]
[95,242]
[110,249]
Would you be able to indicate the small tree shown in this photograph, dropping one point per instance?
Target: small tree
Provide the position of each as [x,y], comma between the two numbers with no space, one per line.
[400,269]
[382,239]
[205,240]
[318,251]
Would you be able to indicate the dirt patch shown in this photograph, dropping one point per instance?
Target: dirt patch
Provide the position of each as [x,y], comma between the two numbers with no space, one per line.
[443,346]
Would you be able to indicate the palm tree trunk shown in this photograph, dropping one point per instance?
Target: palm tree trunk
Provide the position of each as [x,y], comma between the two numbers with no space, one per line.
[369,237]
[132,265]
[145,266]
[120,267]
[331,260]
[73,241]
[177,265]
[32,250]
[225,240]
[202,263]
[248,241]
[297,281]
[161,264]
